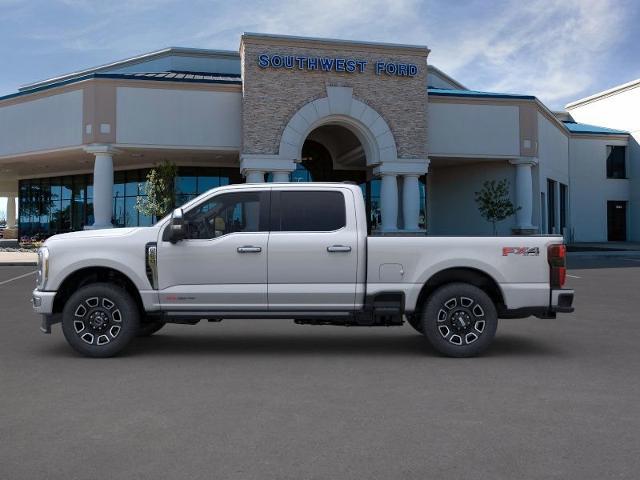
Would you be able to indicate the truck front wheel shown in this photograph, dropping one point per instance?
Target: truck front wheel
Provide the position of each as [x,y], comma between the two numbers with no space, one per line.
[100,319]
[149,327]
[459,320]
[416,322]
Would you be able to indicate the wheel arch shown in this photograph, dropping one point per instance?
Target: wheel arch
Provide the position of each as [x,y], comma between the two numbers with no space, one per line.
[469,275]
[88,275]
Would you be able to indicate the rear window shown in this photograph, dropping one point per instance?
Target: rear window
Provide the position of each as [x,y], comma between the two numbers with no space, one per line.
[311,211]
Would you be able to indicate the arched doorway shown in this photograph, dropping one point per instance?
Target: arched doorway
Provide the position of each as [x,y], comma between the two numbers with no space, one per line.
[340,138]
[333,153]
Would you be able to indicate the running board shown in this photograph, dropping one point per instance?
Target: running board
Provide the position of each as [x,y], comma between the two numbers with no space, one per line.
[178,316]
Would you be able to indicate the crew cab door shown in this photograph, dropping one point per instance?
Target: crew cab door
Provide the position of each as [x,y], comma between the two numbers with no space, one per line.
[313,249]
[222,262]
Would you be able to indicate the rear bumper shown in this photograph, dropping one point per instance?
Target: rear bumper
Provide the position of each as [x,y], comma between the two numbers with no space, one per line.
[562,301]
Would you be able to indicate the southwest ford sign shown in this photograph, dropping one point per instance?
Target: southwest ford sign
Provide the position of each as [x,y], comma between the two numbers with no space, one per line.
[331,64]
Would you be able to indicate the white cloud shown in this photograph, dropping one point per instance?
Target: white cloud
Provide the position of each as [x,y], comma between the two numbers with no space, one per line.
[554,49]
[548,48]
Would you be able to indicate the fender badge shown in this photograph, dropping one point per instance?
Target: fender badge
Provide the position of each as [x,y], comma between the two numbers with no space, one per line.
[523,251]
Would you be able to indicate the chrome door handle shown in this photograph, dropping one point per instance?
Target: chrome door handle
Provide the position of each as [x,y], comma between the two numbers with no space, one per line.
[249,249]
[338,248]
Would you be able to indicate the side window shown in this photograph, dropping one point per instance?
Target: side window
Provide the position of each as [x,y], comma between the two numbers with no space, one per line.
[311,211]
[228,213]
[616,161]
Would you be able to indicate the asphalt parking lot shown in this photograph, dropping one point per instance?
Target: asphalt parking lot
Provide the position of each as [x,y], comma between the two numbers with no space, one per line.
[273,400]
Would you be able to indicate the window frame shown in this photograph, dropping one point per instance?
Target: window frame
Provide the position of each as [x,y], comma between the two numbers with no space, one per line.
[276,212]
[625,172]
[263,219]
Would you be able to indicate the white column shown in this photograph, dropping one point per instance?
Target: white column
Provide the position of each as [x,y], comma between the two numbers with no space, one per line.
[11,212]
[524,192]
[389,202]
[102,186]
[254,166]
[254,176]
[252,212]
[558,207]
[410,201]
[280,176]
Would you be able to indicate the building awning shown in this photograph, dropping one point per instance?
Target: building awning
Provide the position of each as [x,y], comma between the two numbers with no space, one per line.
[475,93]
[170,76]
[575,127]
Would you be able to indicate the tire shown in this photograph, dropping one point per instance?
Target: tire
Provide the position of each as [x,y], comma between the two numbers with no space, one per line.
[459,320]
[149,328]
[416,322]
[100,320]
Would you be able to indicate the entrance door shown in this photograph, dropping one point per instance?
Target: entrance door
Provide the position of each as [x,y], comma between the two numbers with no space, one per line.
[617,221]
[313,250]
[222,264]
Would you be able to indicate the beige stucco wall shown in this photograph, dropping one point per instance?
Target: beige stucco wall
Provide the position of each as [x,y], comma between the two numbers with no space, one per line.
[178,117]
[272,96]
[50,122]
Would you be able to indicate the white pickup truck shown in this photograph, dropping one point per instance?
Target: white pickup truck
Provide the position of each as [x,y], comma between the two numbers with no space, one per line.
[291,250]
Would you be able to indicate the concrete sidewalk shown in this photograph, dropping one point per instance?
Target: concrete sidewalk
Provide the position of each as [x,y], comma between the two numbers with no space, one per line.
[18,258]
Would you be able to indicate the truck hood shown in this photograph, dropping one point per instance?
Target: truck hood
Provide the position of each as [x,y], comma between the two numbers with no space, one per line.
[102,234]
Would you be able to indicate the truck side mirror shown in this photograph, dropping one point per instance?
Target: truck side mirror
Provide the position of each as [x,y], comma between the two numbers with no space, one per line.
[177,227]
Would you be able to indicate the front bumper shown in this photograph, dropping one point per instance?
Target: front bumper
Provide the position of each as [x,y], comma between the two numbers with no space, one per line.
[42,303]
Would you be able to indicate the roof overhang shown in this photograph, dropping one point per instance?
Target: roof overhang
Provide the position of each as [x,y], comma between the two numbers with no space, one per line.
[145,57]
[605,93]
[291,40]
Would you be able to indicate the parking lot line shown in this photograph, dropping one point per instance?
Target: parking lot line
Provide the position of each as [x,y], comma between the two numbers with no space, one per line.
[573,276]
[17,278]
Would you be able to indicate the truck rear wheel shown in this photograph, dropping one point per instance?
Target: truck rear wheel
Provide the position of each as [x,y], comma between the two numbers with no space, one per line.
[459,320]
[100,319]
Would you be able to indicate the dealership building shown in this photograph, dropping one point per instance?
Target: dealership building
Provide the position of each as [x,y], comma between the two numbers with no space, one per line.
[75,149]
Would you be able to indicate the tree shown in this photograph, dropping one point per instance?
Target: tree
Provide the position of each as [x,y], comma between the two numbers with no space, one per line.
[494,203]
[160,195]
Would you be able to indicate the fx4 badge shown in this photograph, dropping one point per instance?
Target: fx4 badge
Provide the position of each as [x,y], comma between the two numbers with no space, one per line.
[524,251]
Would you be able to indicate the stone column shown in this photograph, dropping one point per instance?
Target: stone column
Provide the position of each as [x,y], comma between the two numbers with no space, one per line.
[102,186]
[280,176]
[389,202]
[410,201]
[254,166]
[254,176]
[409,170]
[524,194]
[11,212]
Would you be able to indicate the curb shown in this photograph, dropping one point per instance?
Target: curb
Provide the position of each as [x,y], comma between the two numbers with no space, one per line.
[610,253]
[18,264]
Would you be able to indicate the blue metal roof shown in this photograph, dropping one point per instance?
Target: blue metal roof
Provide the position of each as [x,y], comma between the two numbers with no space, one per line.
[575,127]
[173,76]
[444,92]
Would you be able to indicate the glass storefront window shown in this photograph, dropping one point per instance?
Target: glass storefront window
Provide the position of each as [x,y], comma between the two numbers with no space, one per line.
[118,212]
[207,183]
[61,204]
[131,214]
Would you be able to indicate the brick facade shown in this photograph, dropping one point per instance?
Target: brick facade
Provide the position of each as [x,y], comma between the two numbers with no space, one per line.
[271,96]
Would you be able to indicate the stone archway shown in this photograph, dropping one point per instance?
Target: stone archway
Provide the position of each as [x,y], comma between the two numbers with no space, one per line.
[340,108]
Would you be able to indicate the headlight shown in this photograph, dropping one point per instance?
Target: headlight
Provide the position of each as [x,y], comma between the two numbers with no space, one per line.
[43,268]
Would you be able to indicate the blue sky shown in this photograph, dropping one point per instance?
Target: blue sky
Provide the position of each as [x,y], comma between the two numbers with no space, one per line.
[558,50]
